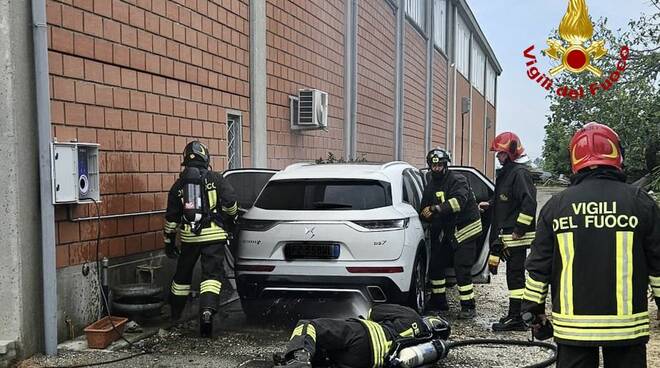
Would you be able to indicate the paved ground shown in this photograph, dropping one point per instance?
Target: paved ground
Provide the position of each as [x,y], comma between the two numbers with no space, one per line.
[242,343]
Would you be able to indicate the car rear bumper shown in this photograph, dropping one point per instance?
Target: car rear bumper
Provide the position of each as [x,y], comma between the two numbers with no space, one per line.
[369,288]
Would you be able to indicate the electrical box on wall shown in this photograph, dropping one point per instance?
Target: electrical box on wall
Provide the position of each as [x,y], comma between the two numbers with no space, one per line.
[75,172]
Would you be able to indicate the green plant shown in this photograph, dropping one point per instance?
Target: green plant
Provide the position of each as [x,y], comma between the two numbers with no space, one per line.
[332,159]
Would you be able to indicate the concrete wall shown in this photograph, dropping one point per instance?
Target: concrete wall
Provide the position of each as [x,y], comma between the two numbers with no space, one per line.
[20,264]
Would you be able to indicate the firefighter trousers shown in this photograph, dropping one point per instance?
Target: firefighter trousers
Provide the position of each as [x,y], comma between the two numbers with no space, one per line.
[342,343]
[212,256]
[446,252]
[632,356]
[515,278]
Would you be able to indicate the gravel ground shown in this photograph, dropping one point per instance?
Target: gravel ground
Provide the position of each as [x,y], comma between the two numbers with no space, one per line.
[241,343]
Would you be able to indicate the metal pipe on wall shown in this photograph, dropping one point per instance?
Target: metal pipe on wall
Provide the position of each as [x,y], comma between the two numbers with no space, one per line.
[398,81]
[49,273]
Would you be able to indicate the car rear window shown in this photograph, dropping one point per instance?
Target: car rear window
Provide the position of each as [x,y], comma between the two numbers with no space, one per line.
[325,195]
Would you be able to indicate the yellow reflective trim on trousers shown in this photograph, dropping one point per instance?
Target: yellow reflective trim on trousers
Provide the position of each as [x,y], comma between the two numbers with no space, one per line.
[455,206]
[297,331]
[566,251]
[524,219]
[466,297]
[311,332]
[378,341]
[465,287]
[210,286]
[624,272]
[516,293]
[536,285]
[438,290]
[534,296]
[438,282]
[179,290]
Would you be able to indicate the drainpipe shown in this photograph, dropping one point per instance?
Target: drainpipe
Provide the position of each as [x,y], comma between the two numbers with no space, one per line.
[49,275]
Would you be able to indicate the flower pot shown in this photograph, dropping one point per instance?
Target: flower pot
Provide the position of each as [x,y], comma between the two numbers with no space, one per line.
[101,333]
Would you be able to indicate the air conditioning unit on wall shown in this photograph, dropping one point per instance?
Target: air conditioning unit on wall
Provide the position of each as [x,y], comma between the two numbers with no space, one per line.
[309,110]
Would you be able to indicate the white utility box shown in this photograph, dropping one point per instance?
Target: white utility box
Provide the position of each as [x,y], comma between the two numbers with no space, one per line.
[75,172]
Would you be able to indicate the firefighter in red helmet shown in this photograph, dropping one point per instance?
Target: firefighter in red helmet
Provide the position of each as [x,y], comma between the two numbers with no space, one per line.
[513,209]
[598,245]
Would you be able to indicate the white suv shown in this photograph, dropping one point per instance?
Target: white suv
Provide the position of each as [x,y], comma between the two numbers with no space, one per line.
[333,229]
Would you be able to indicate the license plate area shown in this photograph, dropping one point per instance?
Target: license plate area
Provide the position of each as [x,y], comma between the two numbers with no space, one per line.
[311,251]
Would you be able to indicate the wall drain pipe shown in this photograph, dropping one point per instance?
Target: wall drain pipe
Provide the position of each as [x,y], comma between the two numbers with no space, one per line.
[40,44]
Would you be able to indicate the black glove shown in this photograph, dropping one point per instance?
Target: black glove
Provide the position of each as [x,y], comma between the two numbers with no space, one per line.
[171,251]
[500,250]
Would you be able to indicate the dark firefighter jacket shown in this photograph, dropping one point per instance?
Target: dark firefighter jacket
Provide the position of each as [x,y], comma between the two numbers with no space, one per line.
[389,325]
[598,245]
[514,205]
[222,205]
[459,214]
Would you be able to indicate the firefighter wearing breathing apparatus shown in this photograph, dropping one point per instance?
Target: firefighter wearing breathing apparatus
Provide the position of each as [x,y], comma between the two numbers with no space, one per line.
[202,207]
[391,336]
[512,231]
[450,206]
[598,245]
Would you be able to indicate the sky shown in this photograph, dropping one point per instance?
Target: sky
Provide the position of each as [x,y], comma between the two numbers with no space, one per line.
[511,26]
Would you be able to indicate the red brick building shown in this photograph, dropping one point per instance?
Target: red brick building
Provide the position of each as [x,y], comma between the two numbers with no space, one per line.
[143,77]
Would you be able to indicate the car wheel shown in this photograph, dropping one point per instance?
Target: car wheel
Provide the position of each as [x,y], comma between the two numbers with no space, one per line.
[417,291]
[254,309]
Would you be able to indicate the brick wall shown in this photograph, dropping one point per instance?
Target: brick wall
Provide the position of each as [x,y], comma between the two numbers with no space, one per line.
[305,42]
[477,142]
[490,157]
[439,112]
[142,78]
[462,133]
[376,35]
[414,95]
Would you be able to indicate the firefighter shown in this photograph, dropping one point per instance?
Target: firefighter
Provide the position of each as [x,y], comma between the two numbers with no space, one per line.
[202,207]
[371,342]
[512,231]
[450,205]
[598,246]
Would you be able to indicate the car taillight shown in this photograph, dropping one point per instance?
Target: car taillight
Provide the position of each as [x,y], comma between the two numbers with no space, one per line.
[374,269]
[255,268]
[383,224]
[257,225]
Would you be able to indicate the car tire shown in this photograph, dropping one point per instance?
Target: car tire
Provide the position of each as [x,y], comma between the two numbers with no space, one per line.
[254,310]
[417,290]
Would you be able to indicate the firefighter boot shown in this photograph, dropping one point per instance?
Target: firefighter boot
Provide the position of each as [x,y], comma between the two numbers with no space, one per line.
[468,309]
[297,359]
[438,302]
[206,323]
[512,321]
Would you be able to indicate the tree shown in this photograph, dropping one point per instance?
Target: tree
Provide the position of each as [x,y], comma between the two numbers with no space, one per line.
[631,106]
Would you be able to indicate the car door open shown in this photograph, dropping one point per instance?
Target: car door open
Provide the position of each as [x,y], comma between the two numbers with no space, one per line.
[247,184]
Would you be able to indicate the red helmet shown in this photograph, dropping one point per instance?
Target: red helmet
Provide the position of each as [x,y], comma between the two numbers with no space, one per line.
[595,144]
[509,143]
